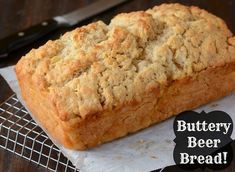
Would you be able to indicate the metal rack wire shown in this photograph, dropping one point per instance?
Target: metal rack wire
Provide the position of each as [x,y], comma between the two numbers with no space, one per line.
[20,135]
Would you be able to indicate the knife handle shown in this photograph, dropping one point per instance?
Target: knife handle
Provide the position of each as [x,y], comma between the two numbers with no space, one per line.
[26,37]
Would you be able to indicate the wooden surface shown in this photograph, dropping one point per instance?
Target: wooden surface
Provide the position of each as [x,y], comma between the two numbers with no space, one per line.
[19,14]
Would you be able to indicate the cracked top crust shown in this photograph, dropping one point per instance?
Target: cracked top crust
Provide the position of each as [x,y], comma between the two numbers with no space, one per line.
[102,67]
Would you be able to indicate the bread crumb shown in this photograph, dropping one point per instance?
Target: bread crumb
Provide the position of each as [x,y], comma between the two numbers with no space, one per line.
[141,141]
[153,157]
[214,105]
[168,141]
[118,157]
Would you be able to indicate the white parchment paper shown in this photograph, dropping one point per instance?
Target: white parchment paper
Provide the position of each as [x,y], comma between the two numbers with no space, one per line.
[146,150]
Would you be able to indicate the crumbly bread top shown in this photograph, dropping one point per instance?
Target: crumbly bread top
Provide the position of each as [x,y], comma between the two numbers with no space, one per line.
[102,67]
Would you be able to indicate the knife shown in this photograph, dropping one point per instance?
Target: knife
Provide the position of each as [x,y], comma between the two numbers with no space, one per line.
[25,37]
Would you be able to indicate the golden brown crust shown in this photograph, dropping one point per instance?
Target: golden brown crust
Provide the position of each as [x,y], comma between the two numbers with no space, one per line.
[100,82]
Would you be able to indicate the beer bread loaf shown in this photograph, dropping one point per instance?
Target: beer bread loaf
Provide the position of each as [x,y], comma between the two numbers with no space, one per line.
[100,82]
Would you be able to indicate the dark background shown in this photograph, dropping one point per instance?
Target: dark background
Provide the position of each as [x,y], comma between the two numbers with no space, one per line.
[16,15]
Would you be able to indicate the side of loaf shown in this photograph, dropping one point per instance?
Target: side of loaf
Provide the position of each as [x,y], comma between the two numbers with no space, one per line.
[101,82]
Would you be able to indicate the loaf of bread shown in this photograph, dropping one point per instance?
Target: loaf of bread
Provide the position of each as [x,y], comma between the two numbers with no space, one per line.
[101,82]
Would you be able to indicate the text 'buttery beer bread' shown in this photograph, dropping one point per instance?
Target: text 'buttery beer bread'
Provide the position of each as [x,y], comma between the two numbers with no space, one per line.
[101,82]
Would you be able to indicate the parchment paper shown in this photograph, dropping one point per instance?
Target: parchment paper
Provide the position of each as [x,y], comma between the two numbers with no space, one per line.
[146,150]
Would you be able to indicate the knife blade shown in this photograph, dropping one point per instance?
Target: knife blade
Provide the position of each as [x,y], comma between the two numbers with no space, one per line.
[28,36]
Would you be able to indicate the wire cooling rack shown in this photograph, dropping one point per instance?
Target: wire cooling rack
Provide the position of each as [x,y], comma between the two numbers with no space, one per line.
[20,135]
